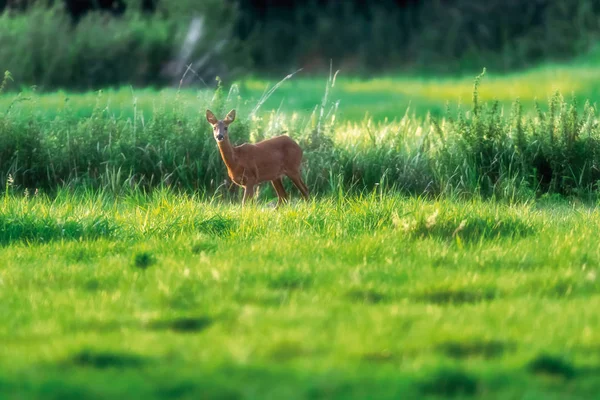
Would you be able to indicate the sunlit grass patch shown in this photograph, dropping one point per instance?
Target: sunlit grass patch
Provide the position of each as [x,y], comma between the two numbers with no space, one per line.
[538,84]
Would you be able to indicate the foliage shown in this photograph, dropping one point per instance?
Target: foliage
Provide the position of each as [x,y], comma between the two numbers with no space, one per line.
[427,35]
[51,48]
[45,48]
[482,150]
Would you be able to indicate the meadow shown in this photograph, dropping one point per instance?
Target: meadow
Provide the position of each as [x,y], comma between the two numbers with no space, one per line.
[444,253]
[377,99]
[380,296]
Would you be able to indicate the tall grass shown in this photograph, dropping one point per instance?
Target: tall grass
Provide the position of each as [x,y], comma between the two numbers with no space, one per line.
[478,150]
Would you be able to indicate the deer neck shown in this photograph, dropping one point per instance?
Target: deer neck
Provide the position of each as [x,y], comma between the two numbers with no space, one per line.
[228,154]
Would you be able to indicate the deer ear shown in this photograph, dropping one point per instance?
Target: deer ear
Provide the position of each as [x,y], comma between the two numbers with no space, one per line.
[230,117]
[210,117]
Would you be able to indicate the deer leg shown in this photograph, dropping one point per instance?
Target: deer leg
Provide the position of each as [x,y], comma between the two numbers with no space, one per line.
[248,193]
[297,179]
[281,195]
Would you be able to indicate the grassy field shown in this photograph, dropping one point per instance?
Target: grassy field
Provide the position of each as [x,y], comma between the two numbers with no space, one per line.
[379,296]
[436,259]
[377,99]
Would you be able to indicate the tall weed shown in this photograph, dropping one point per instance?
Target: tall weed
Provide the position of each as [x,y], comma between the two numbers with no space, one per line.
[483,151]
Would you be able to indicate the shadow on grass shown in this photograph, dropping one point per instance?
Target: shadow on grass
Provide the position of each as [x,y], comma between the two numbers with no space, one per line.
[206,245]
[183,324]
[470,229]
[368,296]
[564,287]
[486,349]
[455,296]
[551,365]
[34,229]
[216,225]
[143,259]
[290,279]
[106,359]
[99,374]
[450,382]
[265,298]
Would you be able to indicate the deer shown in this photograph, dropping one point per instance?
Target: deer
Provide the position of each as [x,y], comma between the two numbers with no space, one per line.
[251,164]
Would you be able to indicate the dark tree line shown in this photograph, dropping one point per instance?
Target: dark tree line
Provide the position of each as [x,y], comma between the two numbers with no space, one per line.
[279,36]
[78,8]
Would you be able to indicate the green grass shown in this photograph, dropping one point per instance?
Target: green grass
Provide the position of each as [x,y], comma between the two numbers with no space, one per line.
[380,296]
[378,98]
[389,97]
[163,140]
[134,273]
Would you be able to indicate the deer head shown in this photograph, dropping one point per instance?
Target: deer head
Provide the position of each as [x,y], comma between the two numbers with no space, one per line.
[220,127]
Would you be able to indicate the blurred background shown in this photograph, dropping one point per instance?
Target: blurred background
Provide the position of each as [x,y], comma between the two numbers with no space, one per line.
[91,44]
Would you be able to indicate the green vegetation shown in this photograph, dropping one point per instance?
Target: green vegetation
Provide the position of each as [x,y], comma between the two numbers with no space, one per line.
[507,152]
[177,296]
[141,42]
[380,98]
[443,37]
[444,254]
[46,48]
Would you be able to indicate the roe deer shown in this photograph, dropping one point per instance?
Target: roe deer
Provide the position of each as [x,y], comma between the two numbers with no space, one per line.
[251,164]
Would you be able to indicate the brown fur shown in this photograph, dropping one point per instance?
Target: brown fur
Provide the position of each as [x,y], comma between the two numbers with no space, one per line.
[251,164]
